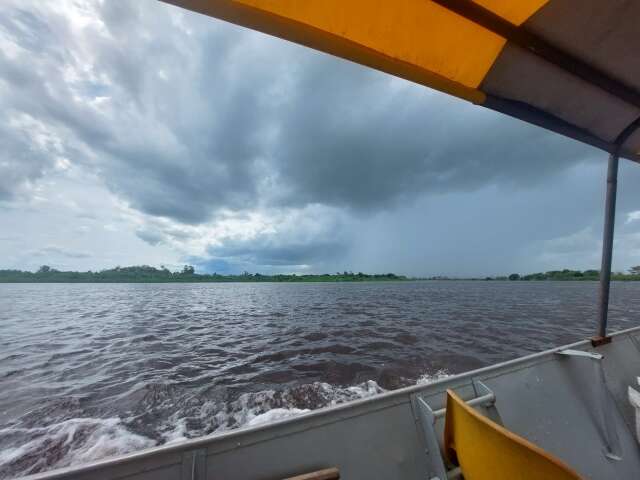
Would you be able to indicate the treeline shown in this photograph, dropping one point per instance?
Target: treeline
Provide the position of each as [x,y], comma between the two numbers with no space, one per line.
[566,274]
[558,275]
[148,274]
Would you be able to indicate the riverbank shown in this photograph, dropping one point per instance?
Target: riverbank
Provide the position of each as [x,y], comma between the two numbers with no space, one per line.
[147,274]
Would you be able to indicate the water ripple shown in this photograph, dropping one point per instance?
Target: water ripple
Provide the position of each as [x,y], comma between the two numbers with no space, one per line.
[89,371]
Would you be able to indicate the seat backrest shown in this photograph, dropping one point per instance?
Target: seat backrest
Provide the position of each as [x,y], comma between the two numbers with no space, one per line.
[486,450]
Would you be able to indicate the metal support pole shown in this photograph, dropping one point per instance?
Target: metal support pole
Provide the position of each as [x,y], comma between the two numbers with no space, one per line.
[607,248]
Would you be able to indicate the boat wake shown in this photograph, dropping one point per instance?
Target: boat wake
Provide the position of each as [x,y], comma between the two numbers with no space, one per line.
[71,442]
[163,414]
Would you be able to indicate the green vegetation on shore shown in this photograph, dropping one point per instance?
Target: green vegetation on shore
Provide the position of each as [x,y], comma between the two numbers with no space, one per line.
[560,275]
[633,274]
[147,274]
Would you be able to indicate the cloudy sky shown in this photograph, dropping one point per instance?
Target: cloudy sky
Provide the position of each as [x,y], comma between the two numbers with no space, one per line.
[133,132]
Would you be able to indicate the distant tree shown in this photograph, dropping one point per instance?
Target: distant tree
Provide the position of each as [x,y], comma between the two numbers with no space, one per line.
[635,270]
[44,269]
[514,276]
[188,270]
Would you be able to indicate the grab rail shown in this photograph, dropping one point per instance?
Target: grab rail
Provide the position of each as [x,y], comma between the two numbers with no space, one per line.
[613,450]
[486,399]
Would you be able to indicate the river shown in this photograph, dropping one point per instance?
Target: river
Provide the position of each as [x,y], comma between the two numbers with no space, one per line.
[89,371]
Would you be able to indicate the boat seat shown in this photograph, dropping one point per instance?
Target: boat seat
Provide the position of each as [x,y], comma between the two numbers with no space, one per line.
[325,474]
[485,450]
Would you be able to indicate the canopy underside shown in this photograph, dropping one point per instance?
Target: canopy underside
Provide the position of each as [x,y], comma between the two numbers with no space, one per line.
[571,66]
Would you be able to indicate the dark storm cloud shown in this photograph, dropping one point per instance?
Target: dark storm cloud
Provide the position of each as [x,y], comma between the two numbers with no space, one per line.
[349,139]
[22,164]
[280,158]
[266,253]
[288,240]
[207,117]
[151,237]
[155,140]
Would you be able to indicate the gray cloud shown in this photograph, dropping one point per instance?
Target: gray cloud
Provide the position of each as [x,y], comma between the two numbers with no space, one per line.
[196,121]
[350,140]
[22,164]
[221,118]
[266,253]
[315,238]
[150,236]
[55,251]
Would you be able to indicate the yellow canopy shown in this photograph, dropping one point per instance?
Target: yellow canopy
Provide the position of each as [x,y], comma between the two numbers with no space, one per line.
[571,66]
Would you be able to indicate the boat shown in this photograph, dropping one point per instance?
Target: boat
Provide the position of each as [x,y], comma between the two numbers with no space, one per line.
[572,67]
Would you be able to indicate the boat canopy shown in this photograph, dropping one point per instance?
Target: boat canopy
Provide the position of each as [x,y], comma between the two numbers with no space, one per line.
[571,66]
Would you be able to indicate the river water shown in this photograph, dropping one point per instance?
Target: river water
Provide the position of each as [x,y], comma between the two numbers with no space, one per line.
[89,371]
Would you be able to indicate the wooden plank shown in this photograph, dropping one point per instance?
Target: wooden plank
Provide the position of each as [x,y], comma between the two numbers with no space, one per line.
[326,474]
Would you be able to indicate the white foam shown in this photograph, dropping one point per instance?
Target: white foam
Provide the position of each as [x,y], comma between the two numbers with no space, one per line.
[177,434]
[109,439]
[82,440]
[267,406]
[427,378]
[276,414]
[71,442]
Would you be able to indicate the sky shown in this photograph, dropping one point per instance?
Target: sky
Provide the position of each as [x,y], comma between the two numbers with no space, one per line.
[133,132]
